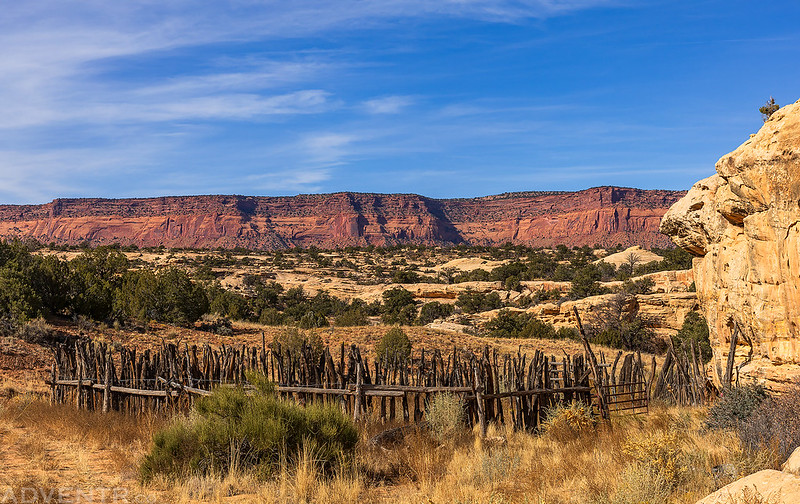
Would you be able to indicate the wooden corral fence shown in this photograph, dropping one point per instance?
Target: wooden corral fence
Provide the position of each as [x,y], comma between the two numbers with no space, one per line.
[681,379]
[512,389]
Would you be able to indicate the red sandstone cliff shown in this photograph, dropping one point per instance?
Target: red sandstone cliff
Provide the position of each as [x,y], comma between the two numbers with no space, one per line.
[603,215]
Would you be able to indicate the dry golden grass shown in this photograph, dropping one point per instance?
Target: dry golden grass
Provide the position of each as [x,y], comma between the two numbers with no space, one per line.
[664,457]
[58,447]
[661,458]
[300,482]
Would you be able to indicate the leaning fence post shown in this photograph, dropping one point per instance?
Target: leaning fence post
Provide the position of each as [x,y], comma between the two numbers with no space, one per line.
[598,376]
[726,381]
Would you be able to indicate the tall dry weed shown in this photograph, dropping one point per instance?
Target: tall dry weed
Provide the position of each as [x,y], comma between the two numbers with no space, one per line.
[445,415]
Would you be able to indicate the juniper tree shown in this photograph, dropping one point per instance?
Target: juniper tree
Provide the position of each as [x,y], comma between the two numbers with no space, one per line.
[769,108]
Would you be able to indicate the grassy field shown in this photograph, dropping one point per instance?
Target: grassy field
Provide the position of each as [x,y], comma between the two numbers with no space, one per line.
[665,456]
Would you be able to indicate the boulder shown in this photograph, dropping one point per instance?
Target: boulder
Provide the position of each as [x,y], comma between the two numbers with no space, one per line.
[772,486]
[742,226]
[792,464]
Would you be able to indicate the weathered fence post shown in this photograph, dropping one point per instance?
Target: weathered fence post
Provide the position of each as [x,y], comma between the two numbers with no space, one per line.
[479,399]
[107,387]
[726,380]
[359,391]
[53,379]
[79,389]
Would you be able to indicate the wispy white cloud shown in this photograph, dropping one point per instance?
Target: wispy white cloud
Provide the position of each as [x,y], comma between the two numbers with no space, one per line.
[53,51]
[37,176]
[223,106]
[387,104]
[290,181]
[326,148]
[75,101]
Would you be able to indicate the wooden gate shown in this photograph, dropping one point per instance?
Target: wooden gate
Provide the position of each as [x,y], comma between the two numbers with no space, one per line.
[627,398]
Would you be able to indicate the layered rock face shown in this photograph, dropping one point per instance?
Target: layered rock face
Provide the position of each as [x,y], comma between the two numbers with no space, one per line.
[742,224]
[604,216]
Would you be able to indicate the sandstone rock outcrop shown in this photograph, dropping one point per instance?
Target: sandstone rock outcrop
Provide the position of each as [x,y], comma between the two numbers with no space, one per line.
[663,313]
[792,464]
[742,224]
[764,486]
[603,215]
[664,310]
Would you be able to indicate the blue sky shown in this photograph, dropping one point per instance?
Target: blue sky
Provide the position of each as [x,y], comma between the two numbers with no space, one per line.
[445,98]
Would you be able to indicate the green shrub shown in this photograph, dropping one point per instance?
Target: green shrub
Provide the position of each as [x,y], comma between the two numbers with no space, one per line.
[351,317]
[37,331]
[735,406]
[586,282]
[641,286]
[768,109]
[546,295]
[295,340]
[472,301]
[95,275]
[619,324]
[509,324]
[512,283]
[9,327]
[476,275]
[773,425]
[694,330]
[312,320]
[176,451]
[510,273]
[432,311]
[406,277]
[568,333]
[225,303]
[393,344]
[398,307]
[168,296]
[563,273]
[271,316]
[231,429]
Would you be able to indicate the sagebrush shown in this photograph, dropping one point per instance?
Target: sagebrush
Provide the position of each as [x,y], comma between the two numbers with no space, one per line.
[233,431]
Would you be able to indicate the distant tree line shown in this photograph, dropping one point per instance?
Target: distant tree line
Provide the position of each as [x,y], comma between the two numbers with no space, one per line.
[570,265]
[103,284]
